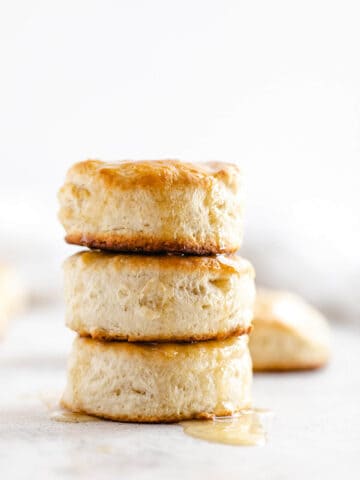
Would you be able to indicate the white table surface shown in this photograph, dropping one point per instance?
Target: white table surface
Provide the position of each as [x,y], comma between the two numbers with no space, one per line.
[315,432]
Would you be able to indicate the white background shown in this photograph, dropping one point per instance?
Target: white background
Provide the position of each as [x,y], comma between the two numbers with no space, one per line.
[273,86]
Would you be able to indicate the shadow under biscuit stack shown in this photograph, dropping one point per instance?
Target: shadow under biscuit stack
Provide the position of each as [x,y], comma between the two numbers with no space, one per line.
[161,304]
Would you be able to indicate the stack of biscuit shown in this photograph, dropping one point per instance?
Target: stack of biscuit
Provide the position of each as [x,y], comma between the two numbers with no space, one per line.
[161,304]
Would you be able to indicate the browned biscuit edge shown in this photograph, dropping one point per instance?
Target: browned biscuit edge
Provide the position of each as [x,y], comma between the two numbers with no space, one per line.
[121,243]
[152,419]
[291,368]
[103,335]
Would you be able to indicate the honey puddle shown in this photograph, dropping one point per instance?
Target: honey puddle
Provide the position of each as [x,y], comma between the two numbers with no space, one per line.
[59,414]
[70,417]
[248,427]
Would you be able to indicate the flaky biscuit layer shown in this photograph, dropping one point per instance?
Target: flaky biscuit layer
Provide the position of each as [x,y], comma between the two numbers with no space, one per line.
[158,297]
[158,382]
[153,206]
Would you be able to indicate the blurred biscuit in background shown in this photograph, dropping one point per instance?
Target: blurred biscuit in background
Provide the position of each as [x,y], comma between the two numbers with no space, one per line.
[288,334]
[12,296]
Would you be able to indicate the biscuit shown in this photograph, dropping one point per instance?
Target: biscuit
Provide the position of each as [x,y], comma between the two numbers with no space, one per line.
[153,206]
[158,297]
[158,382]
[11,296]
[288,333]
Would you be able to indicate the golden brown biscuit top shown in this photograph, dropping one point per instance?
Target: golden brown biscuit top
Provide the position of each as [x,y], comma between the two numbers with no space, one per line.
[143,173]
[217,263]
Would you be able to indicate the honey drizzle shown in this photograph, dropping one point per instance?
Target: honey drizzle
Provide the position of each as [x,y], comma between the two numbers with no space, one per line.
[70,417]
[247,428]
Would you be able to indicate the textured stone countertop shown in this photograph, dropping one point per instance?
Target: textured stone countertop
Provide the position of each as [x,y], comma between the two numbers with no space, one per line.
[315,431]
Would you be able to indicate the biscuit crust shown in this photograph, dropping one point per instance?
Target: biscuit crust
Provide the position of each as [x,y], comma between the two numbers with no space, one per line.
[145,244]
[108,335]
[158,298]
[158,382]
[153,206]
[150,419]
